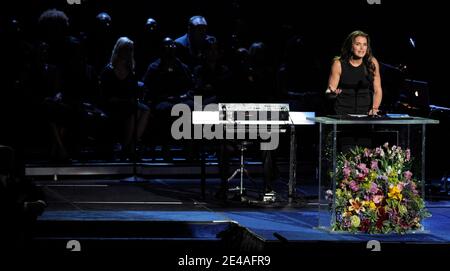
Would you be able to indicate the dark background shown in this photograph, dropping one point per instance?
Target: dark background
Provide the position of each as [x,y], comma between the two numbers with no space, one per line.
[323,24]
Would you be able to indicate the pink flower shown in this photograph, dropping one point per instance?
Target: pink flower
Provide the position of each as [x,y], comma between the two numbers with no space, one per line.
[377,199]
[407,174]
[386,145]
[363,168]
[346,172]
[366,152]
[354,186]
[414,188]
[374,165]
[408,155]
[373,188]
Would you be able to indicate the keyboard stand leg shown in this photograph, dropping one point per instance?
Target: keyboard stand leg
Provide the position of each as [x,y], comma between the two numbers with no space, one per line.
[292,165]
[202,171]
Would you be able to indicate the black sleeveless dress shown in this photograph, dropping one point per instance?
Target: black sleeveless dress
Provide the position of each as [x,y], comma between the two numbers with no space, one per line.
[356,96]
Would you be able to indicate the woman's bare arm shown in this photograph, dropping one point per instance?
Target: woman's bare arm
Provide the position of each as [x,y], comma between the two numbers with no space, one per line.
[334,78]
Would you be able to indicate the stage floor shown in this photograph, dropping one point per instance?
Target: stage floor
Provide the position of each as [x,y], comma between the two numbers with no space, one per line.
[170,202]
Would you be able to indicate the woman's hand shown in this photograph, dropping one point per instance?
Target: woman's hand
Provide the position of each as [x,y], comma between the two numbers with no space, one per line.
[373,111]
[337,91]
[332,93]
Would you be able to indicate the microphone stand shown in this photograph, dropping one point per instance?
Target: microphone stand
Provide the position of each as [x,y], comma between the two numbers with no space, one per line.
[135,178]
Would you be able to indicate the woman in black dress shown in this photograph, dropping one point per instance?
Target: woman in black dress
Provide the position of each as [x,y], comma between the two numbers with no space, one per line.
[121,92]
[355,77]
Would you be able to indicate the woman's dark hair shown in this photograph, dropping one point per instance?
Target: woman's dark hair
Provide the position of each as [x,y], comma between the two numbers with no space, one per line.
[346,52]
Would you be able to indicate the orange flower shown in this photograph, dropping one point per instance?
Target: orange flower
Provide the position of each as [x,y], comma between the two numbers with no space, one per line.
[356,205]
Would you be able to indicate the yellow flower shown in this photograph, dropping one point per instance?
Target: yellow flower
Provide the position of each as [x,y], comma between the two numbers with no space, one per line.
[372,205]
[373,175]
[356,205]
[355,221]
[395,193]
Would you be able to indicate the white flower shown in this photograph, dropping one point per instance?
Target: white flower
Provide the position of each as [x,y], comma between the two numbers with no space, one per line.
[388,170]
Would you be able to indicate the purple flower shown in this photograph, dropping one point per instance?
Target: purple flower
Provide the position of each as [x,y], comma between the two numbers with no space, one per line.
[366,152]
[354,186]
[374,165]
[382,177]
[379,151]
[407,174]
[347,223]
[373,188]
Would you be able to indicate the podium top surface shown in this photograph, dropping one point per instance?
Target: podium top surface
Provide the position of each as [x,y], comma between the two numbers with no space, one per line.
[367,120]
[213,117]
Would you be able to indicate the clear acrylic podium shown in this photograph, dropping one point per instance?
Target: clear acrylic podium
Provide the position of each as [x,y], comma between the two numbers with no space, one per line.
[406,133]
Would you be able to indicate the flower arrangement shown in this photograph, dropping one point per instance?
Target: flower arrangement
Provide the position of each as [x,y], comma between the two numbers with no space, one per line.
[376,192]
